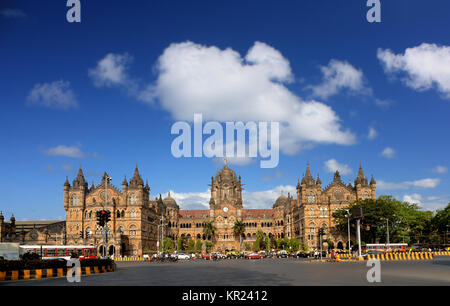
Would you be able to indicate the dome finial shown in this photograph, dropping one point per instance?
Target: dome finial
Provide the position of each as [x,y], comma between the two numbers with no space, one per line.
[226,162]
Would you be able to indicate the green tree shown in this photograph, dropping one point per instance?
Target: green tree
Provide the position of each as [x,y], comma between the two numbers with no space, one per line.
[191,246]
[180,244]
[293,244]
[405,220]
[239,230]
[280,243]
[209,245]
[267,243]
[257,245]
[209,229]
[198,245]
[168,245]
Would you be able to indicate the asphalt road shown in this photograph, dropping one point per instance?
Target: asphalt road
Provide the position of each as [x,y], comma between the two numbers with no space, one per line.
[272,272]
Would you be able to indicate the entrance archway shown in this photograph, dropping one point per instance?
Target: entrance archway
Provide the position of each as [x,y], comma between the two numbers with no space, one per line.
[112,250]
[340,245]
[100,250]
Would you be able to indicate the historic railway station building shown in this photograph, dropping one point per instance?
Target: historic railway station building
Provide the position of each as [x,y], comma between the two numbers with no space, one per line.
[137,222]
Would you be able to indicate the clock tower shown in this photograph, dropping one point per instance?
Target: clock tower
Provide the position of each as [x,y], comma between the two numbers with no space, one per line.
[225,206]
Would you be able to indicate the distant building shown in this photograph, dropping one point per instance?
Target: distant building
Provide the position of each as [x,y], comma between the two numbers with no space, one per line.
[32,232]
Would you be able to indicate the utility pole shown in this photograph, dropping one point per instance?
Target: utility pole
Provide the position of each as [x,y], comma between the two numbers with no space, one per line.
[358,221]
[105,227]
[387,230]
[348,226]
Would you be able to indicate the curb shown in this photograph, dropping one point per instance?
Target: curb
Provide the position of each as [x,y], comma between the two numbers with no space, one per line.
[402,256]
[133,258]
[48,273]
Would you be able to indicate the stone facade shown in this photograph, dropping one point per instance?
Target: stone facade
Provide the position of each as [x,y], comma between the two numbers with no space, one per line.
[32,232]
[300,218]
[134,217]
[138,223]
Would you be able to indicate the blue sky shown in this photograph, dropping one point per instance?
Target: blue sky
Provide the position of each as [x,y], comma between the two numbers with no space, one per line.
[105,92]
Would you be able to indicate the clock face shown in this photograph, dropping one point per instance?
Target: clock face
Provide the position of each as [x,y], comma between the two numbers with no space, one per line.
[225,209]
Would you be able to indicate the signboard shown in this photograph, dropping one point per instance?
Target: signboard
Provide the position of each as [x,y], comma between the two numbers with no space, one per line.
[9,251]
[357,212]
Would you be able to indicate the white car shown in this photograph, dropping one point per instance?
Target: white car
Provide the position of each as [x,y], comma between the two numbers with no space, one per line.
[182,256]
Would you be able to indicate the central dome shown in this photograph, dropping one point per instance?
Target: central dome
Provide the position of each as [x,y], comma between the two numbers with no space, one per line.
[226,175]
[169,201]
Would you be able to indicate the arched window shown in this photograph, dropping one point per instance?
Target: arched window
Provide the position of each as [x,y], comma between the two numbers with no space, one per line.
[311,197]
[132,199]
[74,200]
[133,230]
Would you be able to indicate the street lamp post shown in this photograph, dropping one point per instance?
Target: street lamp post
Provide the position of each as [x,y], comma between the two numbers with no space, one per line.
[348,228]
[105,227]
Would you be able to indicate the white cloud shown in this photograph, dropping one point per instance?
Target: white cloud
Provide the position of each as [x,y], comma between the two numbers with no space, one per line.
[440,169]
[56,95]
[337,76]
[224,86]
[68,151]
[332,165]
[12,13]
[112,70]
[426,66]
[414,198]
[428,203]
[388,153]
[423,183]
[372,133]
[251,200]
[191,200]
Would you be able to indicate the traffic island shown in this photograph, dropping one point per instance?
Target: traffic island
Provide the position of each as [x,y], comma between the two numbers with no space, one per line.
[19,269]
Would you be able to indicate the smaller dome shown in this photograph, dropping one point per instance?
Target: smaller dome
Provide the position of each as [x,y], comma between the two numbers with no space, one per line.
[281,201]
[169,201]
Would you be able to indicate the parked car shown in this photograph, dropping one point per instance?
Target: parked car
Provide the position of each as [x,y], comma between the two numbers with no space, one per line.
[254,256]
[301,254]
[206,256]
[282,254]
[182,256]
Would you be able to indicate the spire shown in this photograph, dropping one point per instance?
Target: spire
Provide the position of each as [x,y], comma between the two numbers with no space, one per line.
[92,186]
[318,181]
[226,163]
[372,181]
[147,187]
[136,180]
[66,183]
[307,178]
[337,177]
[125,182]
[79,180]
[168,193]
[361,178]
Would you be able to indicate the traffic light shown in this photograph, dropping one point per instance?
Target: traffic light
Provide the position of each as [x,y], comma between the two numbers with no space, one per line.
[321,231]
[100,218]
[107,216]
[103,217]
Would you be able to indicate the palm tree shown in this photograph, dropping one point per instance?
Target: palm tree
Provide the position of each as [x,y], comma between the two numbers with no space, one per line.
[209,229]
[239,229]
